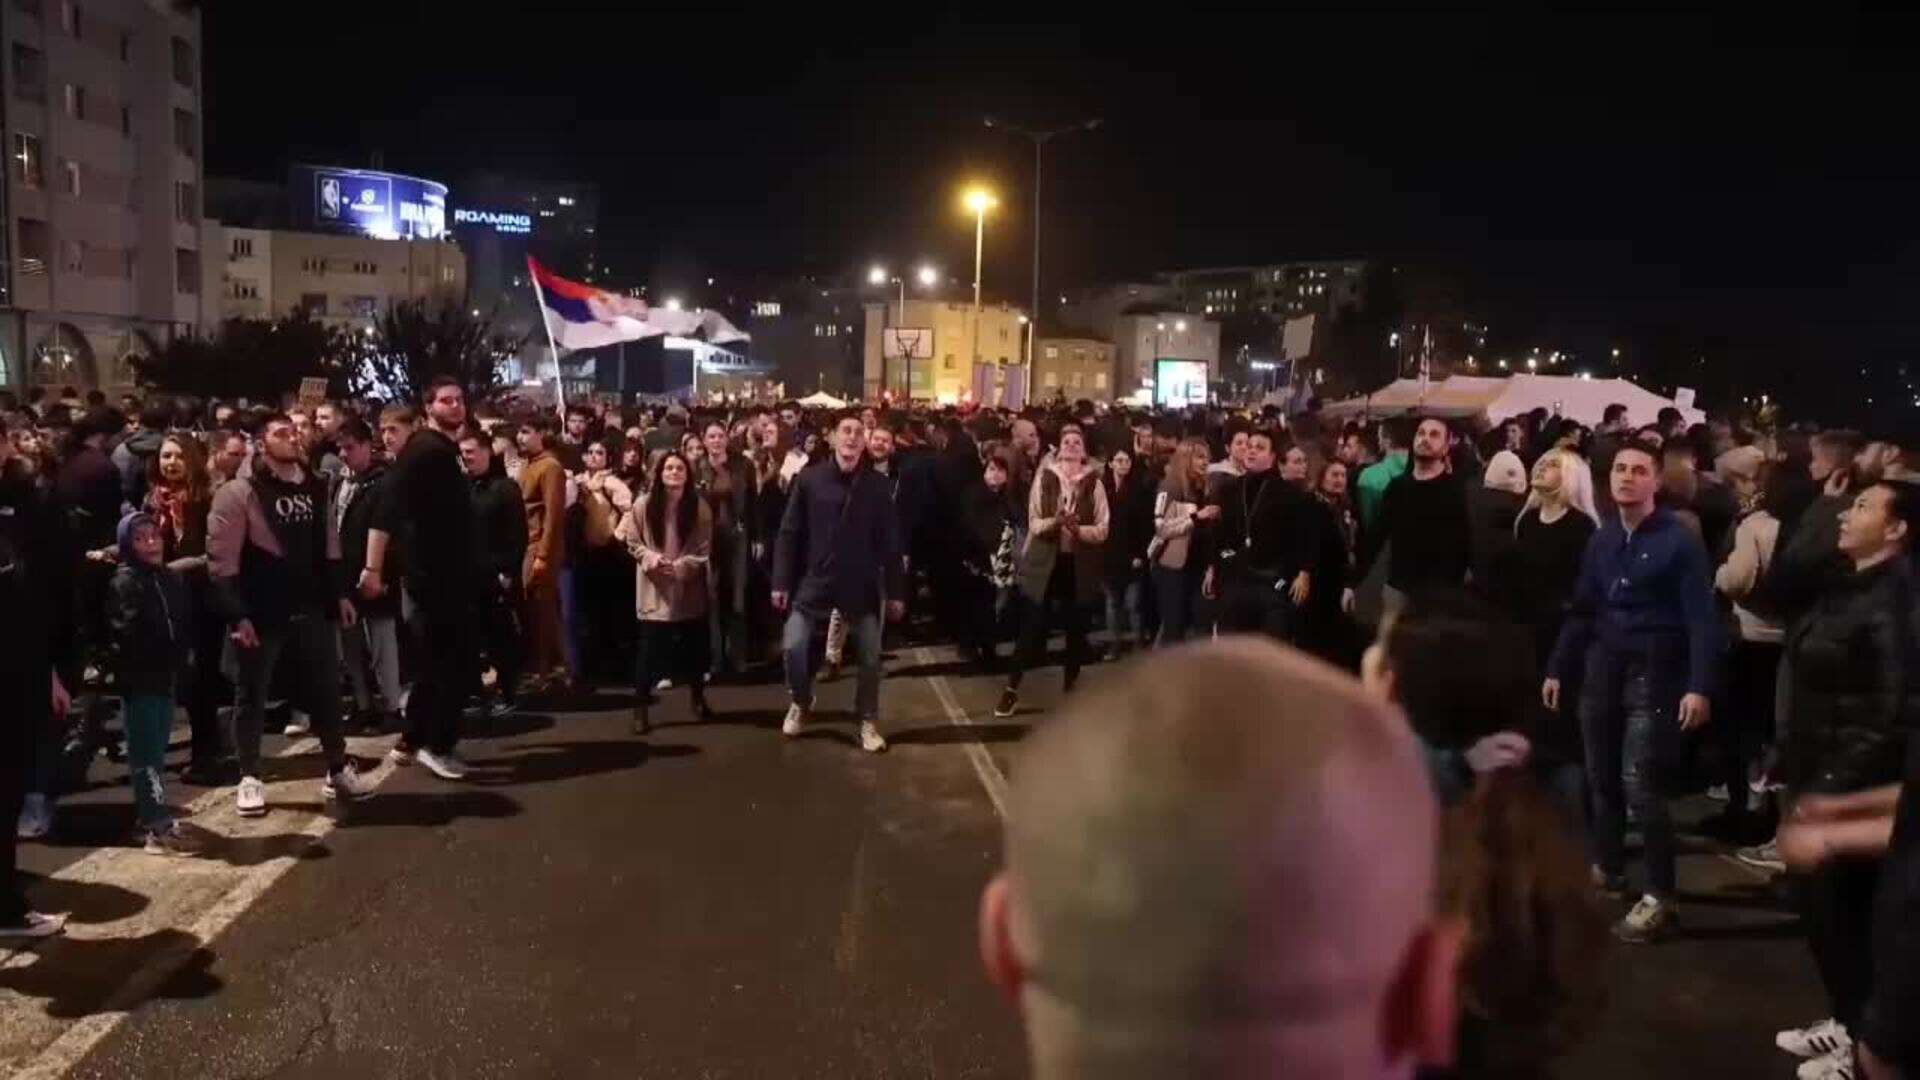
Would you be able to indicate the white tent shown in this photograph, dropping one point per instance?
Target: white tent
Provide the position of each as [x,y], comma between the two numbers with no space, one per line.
[822,400]
[1491,400]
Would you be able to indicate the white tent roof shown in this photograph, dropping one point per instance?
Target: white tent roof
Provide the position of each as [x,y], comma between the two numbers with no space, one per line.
[822,400]
[1494,399]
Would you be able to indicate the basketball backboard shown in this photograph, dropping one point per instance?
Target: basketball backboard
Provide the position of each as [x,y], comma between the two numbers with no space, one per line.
[907,343]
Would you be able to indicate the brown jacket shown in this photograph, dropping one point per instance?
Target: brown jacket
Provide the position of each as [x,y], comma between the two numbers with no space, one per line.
[543,491]
[659,597]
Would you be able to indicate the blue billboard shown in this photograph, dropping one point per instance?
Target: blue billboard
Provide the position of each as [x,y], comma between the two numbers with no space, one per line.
[366,202]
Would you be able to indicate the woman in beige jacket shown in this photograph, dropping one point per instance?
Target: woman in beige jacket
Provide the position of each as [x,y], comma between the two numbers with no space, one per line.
[670,534]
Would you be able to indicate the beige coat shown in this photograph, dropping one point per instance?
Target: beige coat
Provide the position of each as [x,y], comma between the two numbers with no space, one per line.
[670,578]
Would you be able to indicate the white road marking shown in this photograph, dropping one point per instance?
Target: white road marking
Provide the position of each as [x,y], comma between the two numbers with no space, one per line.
[988,770]
[183,894]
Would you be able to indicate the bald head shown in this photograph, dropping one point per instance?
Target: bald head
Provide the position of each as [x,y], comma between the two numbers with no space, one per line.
[1226,852]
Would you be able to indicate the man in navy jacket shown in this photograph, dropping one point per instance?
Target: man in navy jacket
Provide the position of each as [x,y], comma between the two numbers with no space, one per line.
[839,548]
[1645,638]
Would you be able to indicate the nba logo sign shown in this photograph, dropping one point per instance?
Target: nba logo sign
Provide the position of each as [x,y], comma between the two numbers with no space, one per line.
[329,197]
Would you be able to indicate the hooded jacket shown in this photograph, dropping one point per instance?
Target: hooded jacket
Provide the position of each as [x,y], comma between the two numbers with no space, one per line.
[149,613]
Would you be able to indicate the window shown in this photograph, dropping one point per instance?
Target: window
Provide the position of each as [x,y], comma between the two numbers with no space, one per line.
[70,178]
[126,120]
[29,74]
[243,247]
[183,132]
[70,17]
[1076,380]
[1053,352]
[948,362]
[76,101]
[313,303]
[314,266]
[27,163]
[361,266]
[186,201]
[364,307]
[126,46]
[1052,380]
[446,275]
[1099,380]
[186,271]
[36,246]
[183,65]
[244,290]
[73,256]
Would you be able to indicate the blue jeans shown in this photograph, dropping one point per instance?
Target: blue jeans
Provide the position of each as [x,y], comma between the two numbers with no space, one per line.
[149,722]
[1123,612]
[570,621]
[1630,724]
[796,647]
[1174,593]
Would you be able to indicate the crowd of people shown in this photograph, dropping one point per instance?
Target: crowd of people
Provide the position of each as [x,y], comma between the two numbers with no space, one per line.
[1581,624]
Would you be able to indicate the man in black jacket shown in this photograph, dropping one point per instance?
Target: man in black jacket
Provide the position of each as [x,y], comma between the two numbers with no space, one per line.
[275,569]
[839,547]
[371,647]
[500,547]
[426,501]
[1269,544]
[1424,517]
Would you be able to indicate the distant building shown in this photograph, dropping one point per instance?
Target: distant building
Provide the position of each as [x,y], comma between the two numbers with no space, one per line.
[1281,290]
[808,333]
[1073,368]
[100,213]
[499,221]
[1157,352]
[1096,310]
[948,352]
[343,279]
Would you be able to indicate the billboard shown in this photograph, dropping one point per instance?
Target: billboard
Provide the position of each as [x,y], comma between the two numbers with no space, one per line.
[366,202]
[1179,383]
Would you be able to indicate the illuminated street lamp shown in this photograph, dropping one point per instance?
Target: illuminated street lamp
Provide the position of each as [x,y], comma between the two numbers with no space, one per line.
[929,277]
[978,200]
[673,303]
[877,275]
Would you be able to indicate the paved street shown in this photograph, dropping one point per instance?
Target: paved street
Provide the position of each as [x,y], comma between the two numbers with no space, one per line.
[712,901]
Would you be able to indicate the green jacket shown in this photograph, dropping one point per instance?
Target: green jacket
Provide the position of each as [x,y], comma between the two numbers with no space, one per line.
[1371,488]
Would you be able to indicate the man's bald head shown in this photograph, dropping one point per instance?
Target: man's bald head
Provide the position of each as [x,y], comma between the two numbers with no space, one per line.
[1228,852]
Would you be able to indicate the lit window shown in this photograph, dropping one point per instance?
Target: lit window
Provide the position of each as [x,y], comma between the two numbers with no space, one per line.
[1053,352]
[70,17]
[186,201]
[76,101]
[27,166]
[186,271]
[70,178]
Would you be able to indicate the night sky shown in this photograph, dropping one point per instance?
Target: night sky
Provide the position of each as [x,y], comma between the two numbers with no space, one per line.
[1730,186]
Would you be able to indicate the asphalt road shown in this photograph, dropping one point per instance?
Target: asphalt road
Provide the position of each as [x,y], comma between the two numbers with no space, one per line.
[710,901]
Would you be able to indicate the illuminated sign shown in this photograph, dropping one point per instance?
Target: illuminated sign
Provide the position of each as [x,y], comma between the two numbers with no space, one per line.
[366,202]
[497,221]
[766,309]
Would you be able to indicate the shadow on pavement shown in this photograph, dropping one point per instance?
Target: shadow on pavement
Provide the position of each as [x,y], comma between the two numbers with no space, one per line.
[759,718]
[1779,929]
[944,734]
[75,977]
[430,809]
[506,727]
[84,901]
[543,762]
[254,850]
[957,668]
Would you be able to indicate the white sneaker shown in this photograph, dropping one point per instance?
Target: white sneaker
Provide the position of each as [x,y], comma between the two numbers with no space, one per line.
[33,926]
[298,724]
[1719,793]
[36,818]
[250,798]
[445,766]
[1835,1066]
[1815,1040]
[1763,856]
[400,756]
[346,785]
[796,719]
[1652,919]
[870,738]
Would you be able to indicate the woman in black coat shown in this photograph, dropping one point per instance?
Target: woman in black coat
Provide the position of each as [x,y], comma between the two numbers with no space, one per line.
[500,545]
[1130,503]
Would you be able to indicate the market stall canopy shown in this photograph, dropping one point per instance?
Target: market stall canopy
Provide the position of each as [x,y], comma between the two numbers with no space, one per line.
[822,400]
[1490,400]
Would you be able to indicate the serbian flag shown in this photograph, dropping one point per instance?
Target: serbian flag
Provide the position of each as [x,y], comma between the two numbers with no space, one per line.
[583,317]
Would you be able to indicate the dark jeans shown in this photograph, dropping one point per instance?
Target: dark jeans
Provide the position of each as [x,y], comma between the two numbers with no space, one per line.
[1123,612]
[311,647]
[207,689]
[149,722]
[1891,1020]
[19,720]
[500,635]
[796,647]
[441,622]
[1747,724]
[1063,596]
[1839,914]
[1632,734]
[1173,592]
[670,650]
[1255,605]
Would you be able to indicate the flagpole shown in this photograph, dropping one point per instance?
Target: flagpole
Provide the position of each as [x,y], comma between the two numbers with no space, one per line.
[540,297]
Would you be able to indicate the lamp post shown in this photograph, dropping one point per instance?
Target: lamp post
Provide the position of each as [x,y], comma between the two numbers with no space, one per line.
[877,275]
[979,200]
[1040,139]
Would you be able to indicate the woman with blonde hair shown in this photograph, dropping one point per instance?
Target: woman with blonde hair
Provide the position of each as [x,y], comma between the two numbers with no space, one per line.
[1178,513]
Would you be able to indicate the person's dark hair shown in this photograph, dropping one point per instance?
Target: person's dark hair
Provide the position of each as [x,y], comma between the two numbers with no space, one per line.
[400,414]
[496,468]
[1678,450]
[96,398]
[440,381]
[1666,416]
[156,414]
[543,425]
[579,410]
[1641,446]
[99,420]
[199,480]
[1396,434]
[268,417]
[354,428]
[1235,425]
[1839,442]
[686,516]
[1613,413]
[1451,704]
[1273,439]
[1904,505]
[845,415]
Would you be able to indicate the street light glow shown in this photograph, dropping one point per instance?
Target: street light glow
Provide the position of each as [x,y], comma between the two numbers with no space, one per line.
[673,303]
[877,275]
[979,200]
[1616,352]
[929,277]
[1180,327]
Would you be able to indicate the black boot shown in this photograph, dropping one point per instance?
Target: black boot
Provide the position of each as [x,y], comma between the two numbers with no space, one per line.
[697,695]
[642,723]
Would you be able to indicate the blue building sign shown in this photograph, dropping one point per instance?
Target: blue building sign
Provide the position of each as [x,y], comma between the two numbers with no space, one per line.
[364,202]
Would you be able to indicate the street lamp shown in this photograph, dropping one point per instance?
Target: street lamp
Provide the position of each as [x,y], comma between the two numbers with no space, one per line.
[978,200]
[673,303]
[1040,139]
[877,275]
[929,277]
